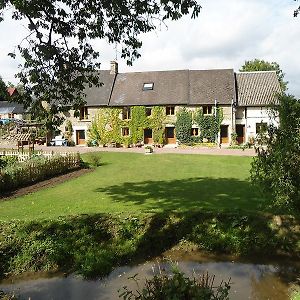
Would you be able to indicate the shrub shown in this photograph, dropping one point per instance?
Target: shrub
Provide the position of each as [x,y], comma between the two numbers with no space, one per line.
[177,286]
[275,170]
[36,169]
[183,126]
[94,159]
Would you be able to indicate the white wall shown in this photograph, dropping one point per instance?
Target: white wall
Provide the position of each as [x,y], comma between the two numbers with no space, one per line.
[250,116]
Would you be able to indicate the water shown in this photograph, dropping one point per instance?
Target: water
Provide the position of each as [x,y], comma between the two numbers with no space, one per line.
[261,281]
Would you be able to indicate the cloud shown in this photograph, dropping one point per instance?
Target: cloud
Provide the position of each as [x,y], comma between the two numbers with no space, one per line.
[225,34]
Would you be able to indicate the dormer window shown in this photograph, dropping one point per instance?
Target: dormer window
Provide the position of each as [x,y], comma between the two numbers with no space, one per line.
[148,86]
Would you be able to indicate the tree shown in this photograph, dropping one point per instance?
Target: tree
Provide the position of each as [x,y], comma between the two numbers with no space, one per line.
[275,169]
[59,60]
[297,11]
[3,91]
[262,65]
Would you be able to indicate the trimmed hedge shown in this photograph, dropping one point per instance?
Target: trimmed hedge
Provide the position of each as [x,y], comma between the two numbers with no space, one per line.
[36,169]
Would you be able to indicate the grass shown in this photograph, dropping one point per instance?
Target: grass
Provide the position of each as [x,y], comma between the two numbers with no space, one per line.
[128,183]
[136,206]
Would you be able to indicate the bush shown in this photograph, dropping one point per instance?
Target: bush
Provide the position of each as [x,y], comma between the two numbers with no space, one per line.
[177,286]
[183,126]
[275,170]
[94,159]
[36,169]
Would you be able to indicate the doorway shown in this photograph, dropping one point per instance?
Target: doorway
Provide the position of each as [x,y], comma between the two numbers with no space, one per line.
[148,138]
[80,137]
[240,132]
[170,135]
[224,134]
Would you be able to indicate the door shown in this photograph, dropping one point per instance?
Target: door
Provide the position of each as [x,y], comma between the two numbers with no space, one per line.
[170,135]
[224,134]
[240,132]
[148,138]
[80,137]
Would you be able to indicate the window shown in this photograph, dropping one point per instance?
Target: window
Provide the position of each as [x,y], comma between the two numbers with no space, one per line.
[195,132]
[126,113]
[11,116]
[261,127]
[125,131]
[170,110]
[84,113]
[148,111]
[148,86]
[207,110]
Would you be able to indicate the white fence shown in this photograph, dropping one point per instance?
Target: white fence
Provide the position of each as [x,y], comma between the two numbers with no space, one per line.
[26,155]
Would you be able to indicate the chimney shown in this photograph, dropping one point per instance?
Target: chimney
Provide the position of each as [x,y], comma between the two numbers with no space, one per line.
[113,67]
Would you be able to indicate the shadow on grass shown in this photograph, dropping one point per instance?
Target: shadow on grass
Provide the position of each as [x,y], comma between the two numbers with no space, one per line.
[222,194]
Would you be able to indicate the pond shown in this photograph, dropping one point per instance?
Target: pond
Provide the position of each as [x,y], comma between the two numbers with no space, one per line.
[260,281]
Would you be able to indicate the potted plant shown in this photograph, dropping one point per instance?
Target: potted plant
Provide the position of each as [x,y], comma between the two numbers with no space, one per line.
[148,150]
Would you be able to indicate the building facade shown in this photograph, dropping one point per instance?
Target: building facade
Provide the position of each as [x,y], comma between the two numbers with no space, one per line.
[243,97]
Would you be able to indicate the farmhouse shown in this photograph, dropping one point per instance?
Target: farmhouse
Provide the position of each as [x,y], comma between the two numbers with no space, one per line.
[10,109]
[243,99]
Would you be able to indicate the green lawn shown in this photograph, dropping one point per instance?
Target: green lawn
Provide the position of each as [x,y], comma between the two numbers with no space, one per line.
[129,183]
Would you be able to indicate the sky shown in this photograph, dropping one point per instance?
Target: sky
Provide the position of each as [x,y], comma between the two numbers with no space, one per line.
[225,35]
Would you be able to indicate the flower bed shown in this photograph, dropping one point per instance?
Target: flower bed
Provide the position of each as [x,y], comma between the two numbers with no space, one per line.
[36,169]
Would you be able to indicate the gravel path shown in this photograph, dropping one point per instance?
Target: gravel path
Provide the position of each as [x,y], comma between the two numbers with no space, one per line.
[185,150]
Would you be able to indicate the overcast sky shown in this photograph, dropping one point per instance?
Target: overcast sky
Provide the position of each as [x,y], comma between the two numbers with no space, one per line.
[225,34]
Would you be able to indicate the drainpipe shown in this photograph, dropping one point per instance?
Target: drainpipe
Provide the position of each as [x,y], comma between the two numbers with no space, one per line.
[216,137]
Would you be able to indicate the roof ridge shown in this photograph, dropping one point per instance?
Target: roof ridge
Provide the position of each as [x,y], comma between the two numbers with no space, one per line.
[255,72]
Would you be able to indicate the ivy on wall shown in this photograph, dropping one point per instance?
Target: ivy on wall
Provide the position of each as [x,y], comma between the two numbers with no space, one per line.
[183,126]
[137,123]
[158,118]
[209,124]
[107,126]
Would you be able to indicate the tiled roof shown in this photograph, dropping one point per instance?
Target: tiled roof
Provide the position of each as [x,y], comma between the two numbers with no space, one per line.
[185,87]
[257,88]
[206,86]
[11,108]
[11,90]
[169,87]
[99,96]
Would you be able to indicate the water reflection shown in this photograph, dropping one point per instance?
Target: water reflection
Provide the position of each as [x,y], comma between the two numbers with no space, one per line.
[249,281]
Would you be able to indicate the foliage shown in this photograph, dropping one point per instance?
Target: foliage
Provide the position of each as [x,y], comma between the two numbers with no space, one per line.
[69,133]
[276,168]
[157,124]
[59,59]
[107,126]
[177,286]
[93,244]
[137,124]
[36,169]
[262,65]
[209,124]
[7,161]
[183,126]
[5,296]
[94,159]
[3,91]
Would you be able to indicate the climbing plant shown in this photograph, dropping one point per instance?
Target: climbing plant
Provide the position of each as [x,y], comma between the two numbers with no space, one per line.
[158,117]
[209,124]
[107,126]
[137,124]
[183,125]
